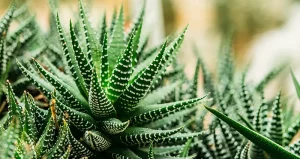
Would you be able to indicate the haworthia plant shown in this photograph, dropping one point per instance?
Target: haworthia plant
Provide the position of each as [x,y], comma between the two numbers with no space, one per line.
[103,100]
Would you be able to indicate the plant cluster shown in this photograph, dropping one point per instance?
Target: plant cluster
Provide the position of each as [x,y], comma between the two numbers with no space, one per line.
[108,95]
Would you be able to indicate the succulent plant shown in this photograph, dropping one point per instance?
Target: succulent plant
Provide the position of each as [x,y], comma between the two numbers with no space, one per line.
[103,107]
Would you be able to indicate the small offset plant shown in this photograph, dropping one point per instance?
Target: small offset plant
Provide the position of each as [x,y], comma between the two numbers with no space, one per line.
[110,96]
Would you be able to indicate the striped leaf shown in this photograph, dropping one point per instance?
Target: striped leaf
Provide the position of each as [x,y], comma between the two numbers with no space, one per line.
[246,101]
[96,140]
[6,19]
[121,73]
[134,136]
[47,139]
[71,95]
[123,153]
[55,71]
[60,146]
[82,60]
[275,129]
[67,153]
[150,152]
[80,120]
[40,115]
[117,40]
[179,138]
[136,91]
[9,138]
[194,86]
[221,151]
[29,123]
[88,32]
[155,112]
[104,60]
[99,104]
[113,126]
[291,132]
[295,147]
[71,59]
[78,149]
[230,140]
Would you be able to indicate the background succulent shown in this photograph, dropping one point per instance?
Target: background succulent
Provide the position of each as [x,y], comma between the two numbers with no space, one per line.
[245,103]
[24,41]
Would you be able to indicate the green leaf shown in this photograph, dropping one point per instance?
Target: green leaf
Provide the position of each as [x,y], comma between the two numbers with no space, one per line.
[104,64]
[186,148]
[117,41]
[67,153]
[221,151]
[47,139]
[208,83]
[76,100]
[24,26]
[96,140]
[194,86]
[150,152]
[291,132]
[297,86]
[100,106]
[179,138]
[64,77]
[121,73]
[82,60]
[8,139]
[246,101]
[104,59]
[78,149]
[117,153]
[71,59]
[134,136]
[40,115]
[80,120]
[138,88]
[155,112]
[61,144]
[14,108]
[88,32]
[173,118]
[30,124]
[295,147]
[136,41]
[159,94]
[138,21]
[6,19]
[103,29]
[113,126]
[171,50]
[266,144]
[275,129]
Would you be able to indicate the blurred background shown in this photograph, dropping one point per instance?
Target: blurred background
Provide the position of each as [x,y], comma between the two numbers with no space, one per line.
[265,32]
